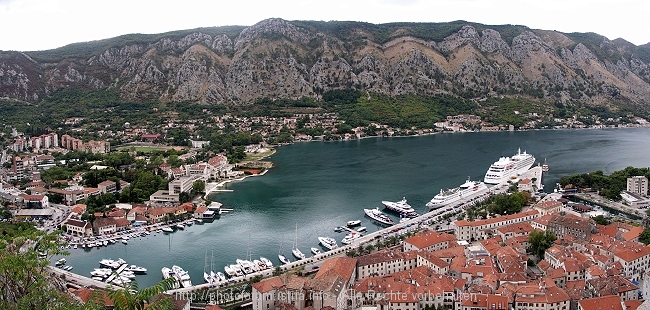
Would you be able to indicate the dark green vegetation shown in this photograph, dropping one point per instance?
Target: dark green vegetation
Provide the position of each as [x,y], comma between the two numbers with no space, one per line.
[540,241]
[26,283]
[497,205]
[608,186]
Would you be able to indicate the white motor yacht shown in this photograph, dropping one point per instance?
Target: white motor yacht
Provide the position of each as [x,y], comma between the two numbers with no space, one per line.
[328,242]
[182,276]
[266,262]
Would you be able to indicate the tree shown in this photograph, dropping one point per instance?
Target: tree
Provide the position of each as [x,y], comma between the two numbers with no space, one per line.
[601,220]
[540,241]
[131,298]
[26,282]
[645,236]
[198,187]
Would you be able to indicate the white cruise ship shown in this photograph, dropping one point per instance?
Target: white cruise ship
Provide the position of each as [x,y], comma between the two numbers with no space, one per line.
[507,167]
[466,190]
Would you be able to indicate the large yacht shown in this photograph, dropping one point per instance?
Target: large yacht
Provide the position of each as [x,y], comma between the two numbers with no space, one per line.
[182,276]
[379,216]
[466,190]
[507,167]
[351,236]
[329,243]
[400,207]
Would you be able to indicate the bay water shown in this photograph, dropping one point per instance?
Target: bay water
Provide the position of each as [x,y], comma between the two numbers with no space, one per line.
[318,186]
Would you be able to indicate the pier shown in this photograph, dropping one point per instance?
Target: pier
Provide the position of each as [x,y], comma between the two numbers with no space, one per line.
[116,273]
[79,280]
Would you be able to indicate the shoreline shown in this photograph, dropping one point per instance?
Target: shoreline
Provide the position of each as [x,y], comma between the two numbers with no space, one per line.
[213,187]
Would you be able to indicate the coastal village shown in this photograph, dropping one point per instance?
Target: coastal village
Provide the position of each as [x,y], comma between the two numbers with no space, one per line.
[480,264]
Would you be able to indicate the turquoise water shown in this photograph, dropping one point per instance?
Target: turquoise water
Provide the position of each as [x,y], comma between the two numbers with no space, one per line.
[321,185]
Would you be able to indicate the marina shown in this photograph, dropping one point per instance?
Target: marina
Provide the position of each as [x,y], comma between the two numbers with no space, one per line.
[370,170]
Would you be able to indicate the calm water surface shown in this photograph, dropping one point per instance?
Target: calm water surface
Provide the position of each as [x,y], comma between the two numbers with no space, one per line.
[321,185]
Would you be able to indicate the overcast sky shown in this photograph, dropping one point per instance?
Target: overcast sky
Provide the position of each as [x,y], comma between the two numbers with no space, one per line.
[28,25]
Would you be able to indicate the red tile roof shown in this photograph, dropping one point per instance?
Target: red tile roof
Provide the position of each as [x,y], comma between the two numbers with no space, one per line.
[611,302]
[268,285]
[428,238]
[338,266]
[494,220]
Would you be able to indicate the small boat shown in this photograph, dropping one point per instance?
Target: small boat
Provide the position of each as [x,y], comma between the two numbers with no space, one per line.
[266,262]
[60,262]
[315,251]
[353,235]
[67,268]
[362,228]
[220,276]
[189,222]
[125,242]
[229,271]
[353,223]
[105,243]
[283,259]
[135,269]
[338,229]
[260,265]
[75,246]
[180,226]
[97,278]
[167,229]
[296,252]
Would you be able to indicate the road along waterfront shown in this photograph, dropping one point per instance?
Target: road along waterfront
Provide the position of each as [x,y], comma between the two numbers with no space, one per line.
[321,186]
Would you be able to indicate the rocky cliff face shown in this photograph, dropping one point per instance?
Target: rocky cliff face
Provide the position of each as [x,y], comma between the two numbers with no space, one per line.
[281,59]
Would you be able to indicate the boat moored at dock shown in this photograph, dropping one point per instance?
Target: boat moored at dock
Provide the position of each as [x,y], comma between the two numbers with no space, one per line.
[400,207]
[449,196]
[379,216]
[507,167]
[327,242]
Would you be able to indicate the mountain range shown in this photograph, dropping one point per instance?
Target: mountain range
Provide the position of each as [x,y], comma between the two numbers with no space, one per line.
[275,58]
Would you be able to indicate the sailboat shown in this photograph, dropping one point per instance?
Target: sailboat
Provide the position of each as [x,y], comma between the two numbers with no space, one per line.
[544,166]
[296,252]
[206,275]
[283,259]
[214,276]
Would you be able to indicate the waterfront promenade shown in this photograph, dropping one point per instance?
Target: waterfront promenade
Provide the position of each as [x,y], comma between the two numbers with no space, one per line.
[79,280]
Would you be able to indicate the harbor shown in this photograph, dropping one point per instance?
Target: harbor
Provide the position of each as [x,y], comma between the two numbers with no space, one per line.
[321,192]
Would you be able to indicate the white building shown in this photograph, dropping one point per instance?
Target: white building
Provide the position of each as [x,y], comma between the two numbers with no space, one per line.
[638,185]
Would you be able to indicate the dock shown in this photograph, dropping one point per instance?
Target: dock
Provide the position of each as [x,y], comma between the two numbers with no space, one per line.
[116,273]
